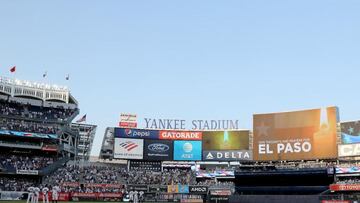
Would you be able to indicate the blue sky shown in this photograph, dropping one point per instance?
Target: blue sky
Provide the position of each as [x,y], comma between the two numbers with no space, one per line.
[188,59]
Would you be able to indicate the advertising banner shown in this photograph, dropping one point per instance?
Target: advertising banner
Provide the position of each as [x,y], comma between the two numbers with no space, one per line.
[344,170]
[295,135]
[187,150]
[63,196]
[138,187]
[145,166]
[12,195]
[345,187]
[350,132]
[96,195]
[158,188]
[180,135]
[136,133]
[27,172]
[158,150]
[27,134]
[184,189]
[173,189]
[215,174]
[127,125]
[226,140]
[201,190]
[346,150]
[128,120]
[231,155]
[125,148]
[220,192]
[101,185]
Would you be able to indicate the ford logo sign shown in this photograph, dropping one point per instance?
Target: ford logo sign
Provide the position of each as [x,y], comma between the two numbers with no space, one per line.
[158,147]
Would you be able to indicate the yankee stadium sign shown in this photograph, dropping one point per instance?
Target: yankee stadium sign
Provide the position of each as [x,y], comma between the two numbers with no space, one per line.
[178,124]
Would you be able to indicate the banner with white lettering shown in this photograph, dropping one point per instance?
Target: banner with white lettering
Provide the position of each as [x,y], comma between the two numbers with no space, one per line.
[136,133]
[198,189]
[296,135]
[349,150]
[158,150]
[27,172]
[231,155]
[180,135]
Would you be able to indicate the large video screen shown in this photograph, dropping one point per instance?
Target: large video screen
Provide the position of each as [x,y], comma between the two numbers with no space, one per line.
[226,145]
[307,134]
[350,132]
[226,140]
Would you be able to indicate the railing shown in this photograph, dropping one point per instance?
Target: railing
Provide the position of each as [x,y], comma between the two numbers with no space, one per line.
[52,167]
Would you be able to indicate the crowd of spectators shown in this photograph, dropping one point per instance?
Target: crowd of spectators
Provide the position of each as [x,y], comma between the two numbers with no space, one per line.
[216,183]
[34,112]
[23,162]
[85,176]
[102,174]
[166,177]
[15,184]
[28,126]
[69,173]
[273,166]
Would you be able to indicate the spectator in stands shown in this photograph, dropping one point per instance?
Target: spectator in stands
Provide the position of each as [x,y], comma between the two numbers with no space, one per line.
[24,162]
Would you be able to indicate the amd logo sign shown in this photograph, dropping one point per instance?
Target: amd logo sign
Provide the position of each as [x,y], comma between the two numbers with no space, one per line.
[198,189]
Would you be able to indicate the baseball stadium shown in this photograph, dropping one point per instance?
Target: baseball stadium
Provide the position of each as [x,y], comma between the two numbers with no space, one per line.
[296,156]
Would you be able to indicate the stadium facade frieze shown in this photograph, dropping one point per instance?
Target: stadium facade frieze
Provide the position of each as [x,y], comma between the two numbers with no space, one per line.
[180,124]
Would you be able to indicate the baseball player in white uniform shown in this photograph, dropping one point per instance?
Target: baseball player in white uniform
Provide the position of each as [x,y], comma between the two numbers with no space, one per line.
[36,195]
[30,194]
[45,192]
[55,194]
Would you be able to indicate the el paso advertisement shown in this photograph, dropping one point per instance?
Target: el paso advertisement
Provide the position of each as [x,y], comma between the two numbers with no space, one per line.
[308,134]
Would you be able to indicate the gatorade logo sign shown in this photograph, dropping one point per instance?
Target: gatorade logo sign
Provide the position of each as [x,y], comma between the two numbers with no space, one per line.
[180,135]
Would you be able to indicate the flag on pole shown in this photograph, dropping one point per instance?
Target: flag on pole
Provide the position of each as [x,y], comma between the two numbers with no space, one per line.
[45,74]
[67,77]
[13,69]
[82,119]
